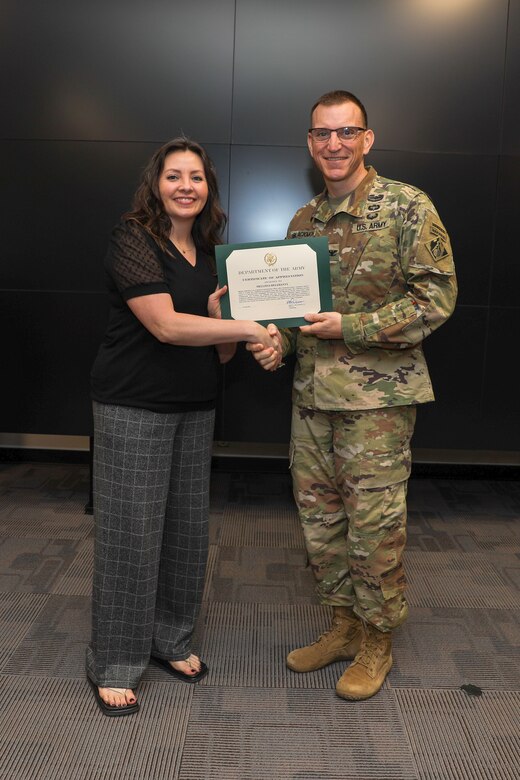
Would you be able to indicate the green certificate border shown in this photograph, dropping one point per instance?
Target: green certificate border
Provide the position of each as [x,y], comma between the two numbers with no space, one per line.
[319,245]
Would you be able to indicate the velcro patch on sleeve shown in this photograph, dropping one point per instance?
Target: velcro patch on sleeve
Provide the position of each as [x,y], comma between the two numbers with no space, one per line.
[437,231]
[437,248]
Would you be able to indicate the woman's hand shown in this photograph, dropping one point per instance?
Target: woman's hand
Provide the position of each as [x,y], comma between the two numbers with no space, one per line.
[214,302]
[269,357]
[260,335]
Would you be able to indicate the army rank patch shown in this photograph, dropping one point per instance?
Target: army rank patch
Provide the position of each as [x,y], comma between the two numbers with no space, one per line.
[438,231]
[437,249]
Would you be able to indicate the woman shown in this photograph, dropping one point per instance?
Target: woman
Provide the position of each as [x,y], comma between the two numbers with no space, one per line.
[154,384]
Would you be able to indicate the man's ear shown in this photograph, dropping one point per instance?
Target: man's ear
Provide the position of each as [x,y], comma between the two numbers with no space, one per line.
[368,141]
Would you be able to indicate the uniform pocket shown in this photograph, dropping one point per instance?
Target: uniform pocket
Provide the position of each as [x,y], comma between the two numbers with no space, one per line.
[384,470]
[393,582]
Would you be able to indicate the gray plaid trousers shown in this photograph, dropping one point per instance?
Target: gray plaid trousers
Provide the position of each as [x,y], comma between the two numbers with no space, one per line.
[151,506]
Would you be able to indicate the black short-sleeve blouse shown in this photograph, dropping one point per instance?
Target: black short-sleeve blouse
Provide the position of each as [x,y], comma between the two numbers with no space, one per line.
[132,367]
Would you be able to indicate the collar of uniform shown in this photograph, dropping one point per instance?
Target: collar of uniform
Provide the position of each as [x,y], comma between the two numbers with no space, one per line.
[355,206]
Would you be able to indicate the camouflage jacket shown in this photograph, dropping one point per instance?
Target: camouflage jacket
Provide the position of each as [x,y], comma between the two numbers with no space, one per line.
[393,281]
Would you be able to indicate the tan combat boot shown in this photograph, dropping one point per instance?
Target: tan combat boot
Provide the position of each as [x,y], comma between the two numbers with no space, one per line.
[366,674]
[340,643]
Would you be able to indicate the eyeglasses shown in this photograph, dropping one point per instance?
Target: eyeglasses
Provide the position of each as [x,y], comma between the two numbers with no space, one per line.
[345,134]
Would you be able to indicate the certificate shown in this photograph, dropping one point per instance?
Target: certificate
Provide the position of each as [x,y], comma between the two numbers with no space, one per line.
[275,281]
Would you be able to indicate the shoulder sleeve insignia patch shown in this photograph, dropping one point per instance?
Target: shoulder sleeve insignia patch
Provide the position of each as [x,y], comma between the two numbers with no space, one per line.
[437,249]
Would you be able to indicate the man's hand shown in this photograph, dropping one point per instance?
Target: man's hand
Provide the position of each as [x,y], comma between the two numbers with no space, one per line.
[326,325]
[270,358]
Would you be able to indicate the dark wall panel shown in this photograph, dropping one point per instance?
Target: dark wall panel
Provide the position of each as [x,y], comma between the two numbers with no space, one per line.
[268,184]
[477,406]
[117,70]
[55,231]
[501,376]
[256,404]
[430,73]
[456,356]
[50,341]
[511,126]
[91,88]
[506,266]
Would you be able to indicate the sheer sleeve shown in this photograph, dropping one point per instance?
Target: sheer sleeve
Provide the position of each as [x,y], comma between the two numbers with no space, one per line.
[133,262]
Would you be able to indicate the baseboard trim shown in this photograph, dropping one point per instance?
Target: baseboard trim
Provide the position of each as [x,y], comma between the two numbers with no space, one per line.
[274,457]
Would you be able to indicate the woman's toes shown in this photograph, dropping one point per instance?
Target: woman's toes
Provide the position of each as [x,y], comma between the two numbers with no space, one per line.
[112,696]
[194,663]
[117,697]
[183,666]
[190,666]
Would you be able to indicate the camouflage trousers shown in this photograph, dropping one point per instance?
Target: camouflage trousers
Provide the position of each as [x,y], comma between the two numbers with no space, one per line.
[350,473]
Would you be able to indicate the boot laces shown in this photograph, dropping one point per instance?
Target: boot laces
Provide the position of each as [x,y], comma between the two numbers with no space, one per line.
[334,629]
[370,651]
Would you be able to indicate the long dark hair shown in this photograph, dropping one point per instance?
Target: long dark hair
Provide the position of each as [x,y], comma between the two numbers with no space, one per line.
[148,210]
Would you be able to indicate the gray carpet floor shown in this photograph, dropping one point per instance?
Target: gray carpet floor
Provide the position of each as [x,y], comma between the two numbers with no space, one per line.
[251,718]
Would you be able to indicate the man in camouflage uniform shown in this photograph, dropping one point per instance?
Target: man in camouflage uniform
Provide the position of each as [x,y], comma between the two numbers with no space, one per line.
[360,373]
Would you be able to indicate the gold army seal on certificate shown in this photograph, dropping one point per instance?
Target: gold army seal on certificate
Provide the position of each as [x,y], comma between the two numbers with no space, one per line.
[276,282]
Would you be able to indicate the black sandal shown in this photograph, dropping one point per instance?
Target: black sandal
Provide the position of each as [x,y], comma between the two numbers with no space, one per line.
[189,678]
[112,710]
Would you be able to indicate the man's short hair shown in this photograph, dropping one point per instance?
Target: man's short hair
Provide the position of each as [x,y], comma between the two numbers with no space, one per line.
[340,96]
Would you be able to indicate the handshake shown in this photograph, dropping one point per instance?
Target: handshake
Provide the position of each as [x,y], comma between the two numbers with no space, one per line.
[268,351]
[266,343]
